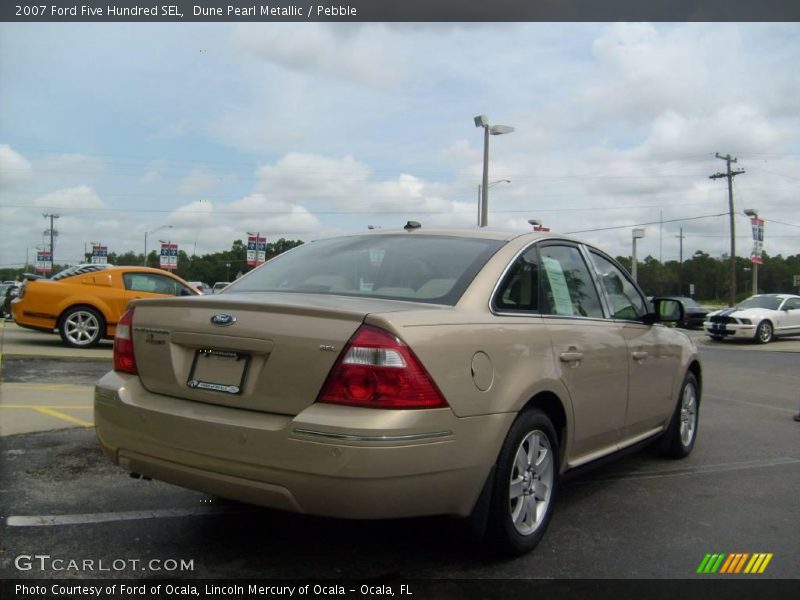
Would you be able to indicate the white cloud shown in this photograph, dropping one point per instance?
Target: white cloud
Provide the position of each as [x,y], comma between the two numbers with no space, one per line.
[355,54]
[14,168]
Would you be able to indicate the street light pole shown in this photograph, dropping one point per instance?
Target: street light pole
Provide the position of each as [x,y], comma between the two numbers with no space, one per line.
[480,203]
[145,239]
[635,235]
[753,213]
[483,121]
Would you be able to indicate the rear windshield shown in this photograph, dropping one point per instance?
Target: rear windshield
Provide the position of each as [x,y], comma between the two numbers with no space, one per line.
[435,269]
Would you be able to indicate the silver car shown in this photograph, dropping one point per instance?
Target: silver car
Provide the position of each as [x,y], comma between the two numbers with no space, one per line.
[400,374]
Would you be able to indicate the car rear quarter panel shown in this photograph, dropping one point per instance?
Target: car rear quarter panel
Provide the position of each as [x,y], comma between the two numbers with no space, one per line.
[45,301]
[518,362]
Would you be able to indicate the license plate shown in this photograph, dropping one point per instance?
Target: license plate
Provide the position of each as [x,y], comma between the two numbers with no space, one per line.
[718,327]
[218,371]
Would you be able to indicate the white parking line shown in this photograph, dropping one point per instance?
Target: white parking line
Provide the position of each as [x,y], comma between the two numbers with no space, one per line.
[703,469]
[133,515]
[747,402]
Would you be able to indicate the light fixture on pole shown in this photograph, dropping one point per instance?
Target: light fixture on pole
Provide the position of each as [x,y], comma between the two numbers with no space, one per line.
[537,225]
[480,203]
[145,239]
[758,240]
[483,121]
[636,234]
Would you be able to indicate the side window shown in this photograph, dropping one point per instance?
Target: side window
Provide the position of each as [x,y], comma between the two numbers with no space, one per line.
[568,287]
[624,299]
[519,291]
[153,284]
[792,304]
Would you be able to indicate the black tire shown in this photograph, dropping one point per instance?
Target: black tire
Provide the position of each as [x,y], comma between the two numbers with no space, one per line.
[512,528]
[81,327]
[764,332]
[679,438]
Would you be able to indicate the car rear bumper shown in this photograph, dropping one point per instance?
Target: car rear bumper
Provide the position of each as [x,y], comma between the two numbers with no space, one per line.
[32,320]
[328,460]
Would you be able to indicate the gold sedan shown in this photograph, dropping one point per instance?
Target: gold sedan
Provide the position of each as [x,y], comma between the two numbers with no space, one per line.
[399,374]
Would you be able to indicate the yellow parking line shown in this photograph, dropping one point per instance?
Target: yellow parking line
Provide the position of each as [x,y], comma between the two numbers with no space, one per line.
[47,386]
[64,417]
[2,332]
[56,407]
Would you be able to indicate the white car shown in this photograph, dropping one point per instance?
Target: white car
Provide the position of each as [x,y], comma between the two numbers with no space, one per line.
[760,318]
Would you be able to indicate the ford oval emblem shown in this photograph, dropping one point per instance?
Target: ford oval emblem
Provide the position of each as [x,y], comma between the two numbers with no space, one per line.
[223,319]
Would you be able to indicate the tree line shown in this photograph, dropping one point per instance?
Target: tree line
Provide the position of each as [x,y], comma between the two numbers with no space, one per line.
[708,275]
[210,268]
[711,276]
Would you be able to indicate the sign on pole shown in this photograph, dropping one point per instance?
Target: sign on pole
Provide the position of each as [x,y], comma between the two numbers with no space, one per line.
[256,250]
[169,256]
[99,255]
[758,240]
[44,261]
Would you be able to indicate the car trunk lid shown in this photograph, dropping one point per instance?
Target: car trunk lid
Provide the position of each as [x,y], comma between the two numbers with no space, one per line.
[260,351]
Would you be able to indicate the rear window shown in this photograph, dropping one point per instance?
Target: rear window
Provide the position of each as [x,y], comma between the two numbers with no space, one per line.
[435,269]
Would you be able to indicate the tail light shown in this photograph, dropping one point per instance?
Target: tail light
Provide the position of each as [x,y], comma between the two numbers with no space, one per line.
[124,359]
[22,289]
[378,370]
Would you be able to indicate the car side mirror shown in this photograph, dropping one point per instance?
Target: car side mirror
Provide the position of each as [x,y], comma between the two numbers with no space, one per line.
[665,310]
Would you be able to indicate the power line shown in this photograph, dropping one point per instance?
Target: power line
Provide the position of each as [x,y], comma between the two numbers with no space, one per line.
[647,223]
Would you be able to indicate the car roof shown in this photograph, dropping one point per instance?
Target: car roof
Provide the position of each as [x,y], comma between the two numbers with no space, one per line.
[781,296]
[482,233]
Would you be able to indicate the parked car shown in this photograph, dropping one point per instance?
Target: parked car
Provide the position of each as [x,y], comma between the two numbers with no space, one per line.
[201,287]
[761,318]
[8,291]
[400,374]
[693,314]
[219,286]
[84,303]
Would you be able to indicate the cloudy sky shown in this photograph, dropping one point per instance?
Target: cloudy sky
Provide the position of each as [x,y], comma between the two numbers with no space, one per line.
[312,129]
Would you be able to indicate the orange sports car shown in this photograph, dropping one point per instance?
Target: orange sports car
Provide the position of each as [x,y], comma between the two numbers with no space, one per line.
[84,303]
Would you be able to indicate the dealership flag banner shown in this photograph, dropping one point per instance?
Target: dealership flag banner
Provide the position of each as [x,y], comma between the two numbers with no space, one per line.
[99,255]
[44,262]
[256,250]
[169,256]
[758,240]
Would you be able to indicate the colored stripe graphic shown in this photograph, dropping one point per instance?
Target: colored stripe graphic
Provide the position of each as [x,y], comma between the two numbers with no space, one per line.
[758,563]
[730,564]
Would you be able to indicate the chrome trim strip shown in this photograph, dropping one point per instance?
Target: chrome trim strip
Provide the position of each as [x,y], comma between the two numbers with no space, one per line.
[373,438]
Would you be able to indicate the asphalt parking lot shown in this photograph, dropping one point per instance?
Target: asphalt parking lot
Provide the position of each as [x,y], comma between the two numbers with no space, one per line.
[639,517]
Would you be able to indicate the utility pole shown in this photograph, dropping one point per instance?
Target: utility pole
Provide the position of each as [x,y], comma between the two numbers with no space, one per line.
[680,246]
[680,261]
[730,175]
[52,234]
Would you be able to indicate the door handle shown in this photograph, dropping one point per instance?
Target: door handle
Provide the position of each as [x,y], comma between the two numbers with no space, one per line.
[639,355]
[571,356]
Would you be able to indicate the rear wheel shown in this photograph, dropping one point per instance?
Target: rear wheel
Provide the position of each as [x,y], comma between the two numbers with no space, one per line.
[764,332]
[525,484]
[678,440]
[81,327]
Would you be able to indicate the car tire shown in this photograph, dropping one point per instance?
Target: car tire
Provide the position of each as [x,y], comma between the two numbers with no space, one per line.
[679,438]
[525,484]
[81,327]
[764,332]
